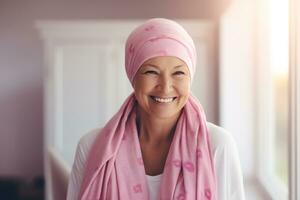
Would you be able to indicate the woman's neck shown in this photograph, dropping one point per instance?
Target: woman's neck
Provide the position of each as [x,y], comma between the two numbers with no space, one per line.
[153,130]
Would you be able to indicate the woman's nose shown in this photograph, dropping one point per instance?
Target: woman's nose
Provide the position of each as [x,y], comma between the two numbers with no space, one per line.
[166,84]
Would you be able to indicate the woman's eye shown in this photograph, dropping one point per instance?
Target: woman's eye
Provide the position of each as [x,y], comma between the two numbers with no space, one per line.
[179,73]
[151,72]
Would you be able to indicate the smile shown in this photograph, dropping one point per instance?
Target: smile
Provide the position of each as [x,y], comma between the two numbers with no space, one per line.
[163,100]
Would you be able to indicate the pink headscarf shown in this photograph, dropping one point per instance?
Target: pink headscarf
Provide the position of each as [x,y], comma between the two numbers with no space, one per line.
[115,168]
[158,37]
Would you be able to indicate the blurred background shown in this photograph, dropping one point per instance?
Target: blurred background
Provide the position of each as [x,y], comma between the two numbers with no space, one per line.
[62,74]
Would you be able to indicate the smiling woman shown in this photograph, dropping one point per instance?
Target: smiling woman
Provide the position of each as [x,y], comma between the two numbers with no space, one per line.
[162,86]
[159,144]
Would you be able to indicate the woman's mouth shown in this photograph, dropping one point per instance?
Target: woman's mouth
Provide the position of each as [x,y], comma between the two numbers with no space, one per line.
[163,100]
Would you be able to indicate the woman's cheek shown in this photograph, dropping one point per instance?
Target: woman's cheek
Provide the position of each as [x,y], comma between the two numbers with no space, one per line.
[184,86]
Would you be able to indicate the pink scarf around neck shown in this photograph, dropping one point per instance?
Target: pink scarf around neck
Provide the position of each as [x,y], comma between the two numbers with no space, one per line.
[115,169]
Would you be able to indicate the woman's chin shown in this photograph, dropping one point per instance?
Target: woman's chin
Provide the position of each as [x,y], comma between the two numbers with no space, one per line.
[165,114]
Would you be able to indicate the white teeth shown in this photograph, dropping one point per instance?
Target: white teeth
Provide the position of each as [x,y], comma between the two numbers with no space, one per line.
[161,100]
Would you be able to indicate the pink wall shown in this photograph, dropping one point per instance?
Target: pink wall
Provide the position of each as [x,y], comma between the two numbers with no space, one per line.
[21,60]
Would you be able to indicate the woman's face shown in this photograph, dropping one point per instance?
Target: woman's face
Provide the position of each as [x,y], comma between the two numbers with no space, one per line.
[162,86]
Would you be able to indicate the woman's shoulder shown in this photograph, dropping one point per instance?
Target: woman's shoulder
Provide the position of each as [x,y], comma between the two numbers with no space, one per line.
[220,137]
[227,163]
[86,141]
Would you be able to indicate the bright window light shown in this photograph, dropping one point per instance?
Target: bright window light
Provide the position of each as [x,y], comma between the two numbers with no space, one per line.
[279,45]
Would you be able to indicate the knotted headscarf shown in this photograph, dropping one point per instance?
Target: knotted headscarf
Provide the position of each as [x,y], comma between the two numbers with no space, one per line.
[115,168]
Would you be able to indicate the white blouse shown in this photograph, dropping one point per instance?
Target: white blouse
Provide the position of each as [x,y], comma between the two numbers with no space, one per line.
[153,185]
[225,155]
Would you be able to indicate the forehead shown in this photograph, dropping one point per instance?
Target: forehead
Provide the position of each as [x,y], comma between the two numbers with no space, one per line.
[162,61]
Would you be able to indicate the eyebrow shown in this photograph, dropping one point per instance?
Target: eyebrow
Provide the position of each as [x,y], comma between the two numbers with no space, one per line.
[157,66]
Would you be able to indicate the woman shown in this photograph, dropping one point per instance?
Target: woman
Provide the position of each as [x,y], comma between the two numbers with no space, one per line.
[158,145]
